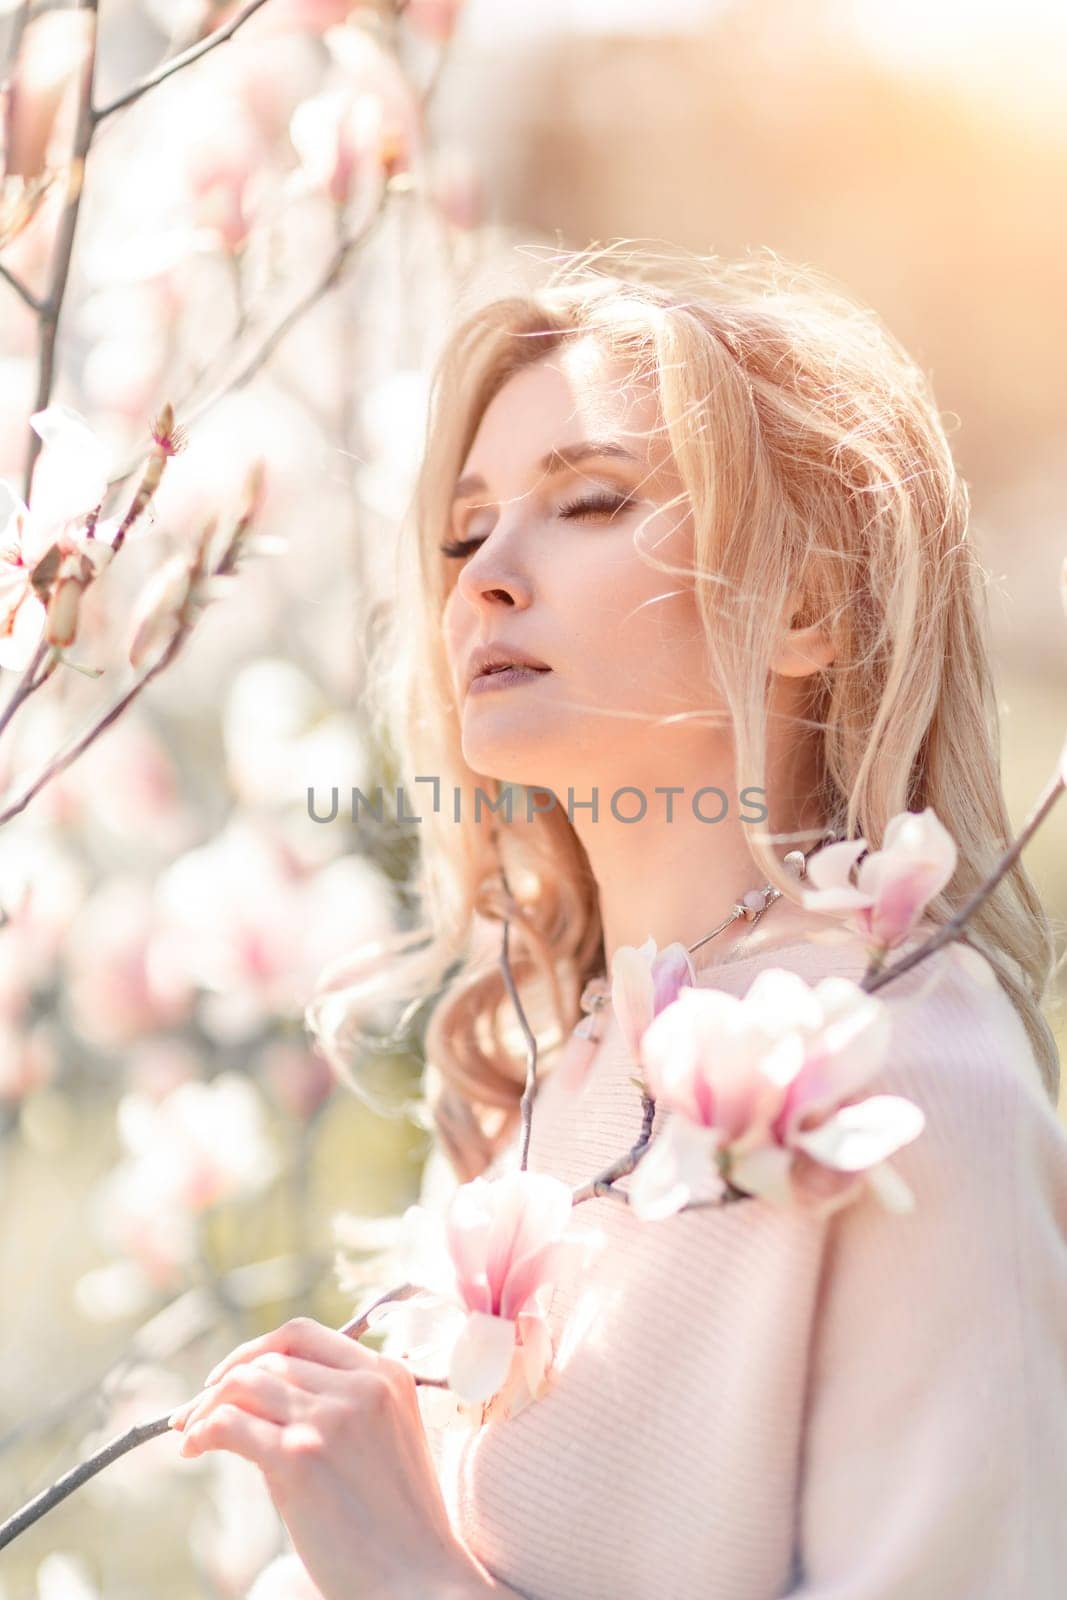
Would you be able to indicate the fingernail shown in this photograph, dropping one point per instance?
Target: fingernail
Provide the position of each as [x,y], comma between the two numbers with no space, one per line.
[178,1416]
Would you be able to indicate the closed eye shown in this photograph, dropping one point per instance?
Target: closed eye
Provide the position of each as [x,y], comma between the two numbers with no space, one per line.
[577,510]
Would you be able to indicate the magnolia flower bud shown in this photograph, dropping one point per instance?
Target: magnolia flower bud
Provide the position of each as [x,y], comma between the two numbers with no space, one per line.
[53,51]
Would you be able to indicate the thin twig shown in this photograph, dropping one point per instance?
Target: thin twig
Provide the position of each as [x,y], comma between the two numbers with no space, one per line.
[949,930]
[21,289]
[49,311]
[601,1185]
[87,121]
[176,63]
[143,1431]
[25,686]
[530,1086]
[59,763]
[258,357]
[172,1328]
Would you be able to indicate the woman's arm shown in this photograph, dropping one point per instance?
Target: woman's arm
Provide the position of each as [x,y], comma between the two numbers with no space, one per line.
[934,1455]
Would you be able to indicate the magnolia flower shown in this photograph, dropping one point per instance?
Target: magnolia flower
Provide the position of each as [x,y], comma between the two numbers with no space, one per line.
[642,984]
[45,565]
[336,136]
[173,598]
[893,885]
[486,1272]
[159,608]
[21,612]
[762,1092]
[392,116]
[434,19]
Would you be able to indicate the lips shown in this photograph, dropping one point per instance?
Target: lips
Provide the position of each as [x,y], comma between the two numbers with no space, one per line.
[499,657]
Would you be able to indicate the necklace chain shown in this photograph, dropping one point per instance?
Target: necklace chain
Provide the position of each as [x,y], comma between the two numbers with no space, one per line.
[751,907]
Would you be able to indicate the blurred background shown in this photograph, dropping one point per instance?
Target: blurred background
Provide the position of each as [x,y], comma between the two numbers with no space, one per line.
[273,238]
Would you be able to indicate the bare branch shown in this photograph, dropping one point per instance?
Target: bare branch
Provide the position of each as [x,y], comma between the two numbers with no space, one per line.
[25,686]
[258,357]
[52,305]
[21,289]
[949,930]
[176,63]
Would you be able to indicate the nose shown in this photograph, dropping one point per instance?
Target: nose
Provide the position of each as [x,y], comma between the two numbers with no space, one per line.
[490,578]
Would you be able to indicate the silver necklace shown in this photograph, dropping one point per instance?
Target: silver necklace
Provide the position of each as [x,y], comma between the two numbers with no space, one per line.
[751,907]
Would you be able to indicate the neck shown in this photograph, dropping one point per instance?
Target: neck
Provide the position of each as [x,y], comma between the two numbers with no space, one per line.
[677,880]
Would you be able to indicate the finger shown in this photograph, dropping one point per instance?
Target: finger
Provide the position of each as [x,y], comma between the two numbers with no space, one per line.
[301,1336]
[309,1377]
[232,1428]
[254,1387]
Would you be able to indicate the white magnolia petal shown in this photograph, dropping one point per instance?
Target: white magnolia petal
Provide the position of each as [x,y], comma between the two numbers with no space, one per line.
[18,646]
[830,867]
[890,1188]
[695,1149]
[13,513]
[678,1167]
[764,1172]
[481,1356]
[632,991]
[655,1189]
[73,470]
[859,1135]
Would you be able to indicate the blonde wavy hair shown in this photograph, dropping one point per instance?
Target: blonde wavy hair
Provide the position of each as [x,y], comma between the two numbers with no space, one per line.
[814,459]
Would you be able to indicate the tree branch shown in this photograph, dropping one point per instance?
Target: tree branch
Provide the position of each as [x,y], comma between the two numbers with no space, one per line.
[176,63]
[23,292]
[949,930]
[52,305]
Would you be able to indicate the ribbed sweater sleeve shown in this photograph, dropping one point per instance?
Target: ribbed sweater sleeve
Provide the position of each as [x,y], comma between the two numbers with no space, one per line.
[934,1451]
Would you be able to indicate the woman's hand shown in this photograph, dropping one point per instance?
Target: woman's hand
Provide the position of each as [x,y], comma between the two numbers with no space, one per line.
[336,1430]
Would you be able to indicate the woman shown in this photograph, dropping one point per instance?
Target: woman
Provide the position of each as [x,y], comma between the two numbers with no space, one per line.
[711,511]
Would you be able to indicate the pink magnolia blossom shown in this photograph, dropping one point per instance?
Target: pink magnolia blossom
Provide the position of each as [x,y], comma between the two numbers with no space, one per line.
[893,885]
[201,1144]
[487,1271]
[287,16]
[434,19]
[164,603]
[392,112]
[336,136]
[643,982]
[763,1092]
[123,978]
[221,178]
[253,924]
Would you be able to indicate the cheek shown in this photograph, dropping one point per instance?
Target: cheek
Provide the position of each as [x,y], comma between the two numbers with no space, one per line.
[451,632]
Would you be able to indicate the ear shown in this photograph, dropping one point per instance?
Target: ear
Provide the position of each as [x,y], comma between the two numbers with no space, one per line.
[802,651]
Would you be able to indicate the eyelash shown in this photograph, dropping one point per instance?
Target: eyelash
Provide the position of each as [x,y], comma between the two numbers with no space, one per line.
[576,508]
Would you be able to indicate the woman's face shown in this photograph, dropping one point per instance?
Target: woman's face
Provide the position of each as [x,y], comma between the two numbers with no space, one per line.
[551,570]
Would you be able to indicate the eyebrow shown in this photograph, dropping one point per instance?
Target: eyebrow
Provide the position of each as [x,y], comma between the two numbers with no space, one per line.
[566,456]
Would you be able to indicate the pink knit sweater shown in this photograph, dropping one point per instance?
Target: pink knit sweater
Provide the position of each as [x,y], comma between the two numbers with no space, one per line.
[751,1404]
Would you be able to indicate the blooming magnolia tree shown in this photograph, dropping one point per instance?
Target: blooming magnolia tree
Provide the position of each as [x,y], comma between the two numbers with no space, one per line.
[201,209]
[273,135]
